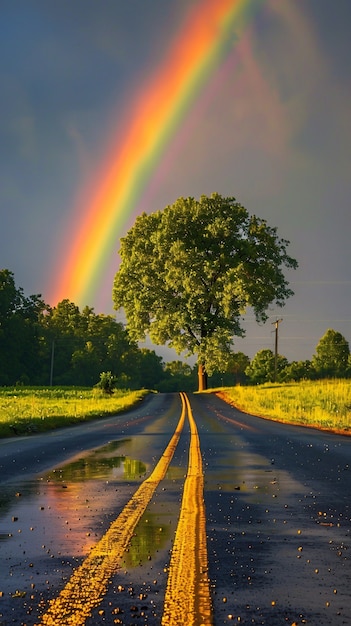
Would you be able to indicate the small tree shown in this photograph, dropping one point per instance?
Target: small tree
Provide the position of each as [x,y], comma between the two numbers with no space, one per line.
[332,354]
[189,272]
[107,382]
[262,367]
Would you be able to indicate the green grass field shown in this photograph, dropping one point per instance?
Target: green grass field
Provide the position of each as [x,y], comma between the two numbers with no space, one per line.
[26,410]
[324,404]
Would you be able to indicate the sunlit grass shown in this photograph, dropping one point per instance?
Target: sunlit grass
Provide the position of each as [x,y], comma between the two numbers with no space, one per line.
[324,403]
[25,410]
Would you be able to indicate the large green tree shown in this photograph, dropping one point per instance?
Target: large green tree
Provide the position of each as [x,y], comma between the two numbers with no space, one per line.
[189,272]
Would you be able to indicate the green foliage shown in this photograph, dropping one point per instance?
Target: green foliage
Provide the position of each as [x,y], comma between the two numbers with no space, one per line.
[262,367]
[76,346]
[234,373]
[149,370]
[179,376]
[298,370]
[332,355]
[332,360]
[237,365]
[86,343]
[189,272]
[20,343]
[42,345]
[107,382]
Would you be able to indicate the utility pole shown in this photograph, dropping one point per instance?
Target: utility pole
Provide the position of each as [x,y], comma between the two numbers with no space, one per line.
[276,324]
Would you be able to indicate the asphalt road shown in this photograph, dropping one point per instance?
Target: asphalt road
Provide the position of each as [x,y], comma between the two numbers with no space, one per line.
[277,504]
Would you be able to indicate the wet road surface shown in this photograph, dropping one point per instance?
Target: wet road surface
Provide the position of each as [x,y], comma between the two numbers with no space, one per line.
[277,502]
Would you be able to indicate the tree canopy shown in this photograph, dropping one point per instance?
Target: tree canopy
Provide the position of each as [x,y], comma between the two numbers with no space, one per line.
[19,330]
[189,272]
[265,368]
[332,354]
[41,345]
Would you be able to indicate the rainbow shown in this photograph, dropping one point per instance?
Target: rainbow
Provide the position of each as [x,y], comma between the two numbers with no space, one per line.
[154,118]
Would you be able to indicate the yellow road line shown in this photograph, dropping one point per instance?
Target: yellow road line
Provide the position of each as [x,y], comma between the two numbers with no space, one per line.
[88,583]
[187,599]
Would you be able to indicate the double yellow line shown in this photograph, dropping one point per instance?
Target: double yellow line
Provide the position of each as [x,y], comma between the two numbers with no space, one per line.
[187,598]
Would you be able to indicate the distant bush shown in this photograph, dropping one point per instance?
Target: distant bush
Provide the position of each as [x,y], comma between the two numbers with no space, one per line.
[107,382]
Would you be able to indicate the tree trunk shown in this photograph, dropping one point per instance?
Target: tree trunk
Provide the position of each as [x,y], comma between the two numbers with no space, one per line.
[202,374]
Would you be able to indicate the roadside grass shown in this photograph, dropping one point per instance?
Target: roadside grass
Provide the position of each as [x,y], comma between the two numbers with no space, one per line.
[27,410]
[324,404]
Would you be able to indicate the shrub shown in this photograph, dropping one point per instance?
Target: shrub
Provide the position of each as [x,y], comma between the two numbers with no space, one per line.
[107,382]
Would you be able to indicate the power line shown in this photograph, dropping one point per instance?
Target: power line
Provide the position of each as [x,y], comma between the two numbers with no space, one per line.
[320,282]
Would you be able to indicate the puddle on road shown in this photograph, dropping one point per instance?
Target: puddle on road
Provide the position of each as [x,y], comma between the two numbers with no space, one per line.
[101,463]
[48,525]
[150,536]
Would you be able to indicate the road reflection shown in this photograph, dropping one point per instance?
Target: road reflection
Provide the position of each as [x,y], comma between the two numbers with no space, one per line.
[150,536]
[101,463]
[50,524]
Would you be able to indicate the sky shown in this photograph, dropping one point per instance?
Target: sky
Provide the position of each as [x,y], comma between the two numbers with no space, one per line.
[112,108]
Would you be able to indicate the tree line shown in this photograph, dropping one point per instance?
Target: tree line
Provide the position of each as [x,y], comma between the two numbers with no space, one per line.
[332,359]
[63,345]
